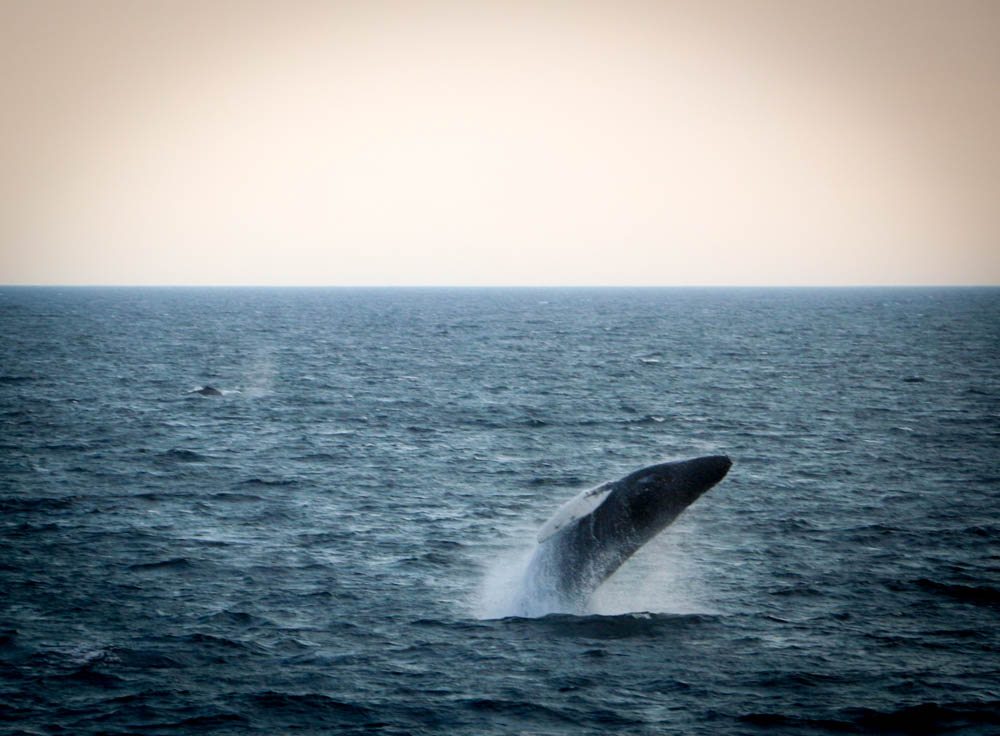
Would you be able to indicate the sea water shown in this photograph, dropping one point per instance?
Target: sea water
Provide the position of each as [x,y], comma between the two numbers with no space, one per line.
[332,545]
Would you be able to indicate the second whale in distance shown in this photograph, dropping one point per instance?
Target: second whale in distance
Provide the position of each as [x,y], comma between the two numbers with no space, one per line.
[593,534]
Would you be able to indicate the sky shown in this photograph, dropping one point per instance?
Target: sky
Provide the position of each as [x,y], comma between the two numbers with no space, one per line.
[500,143]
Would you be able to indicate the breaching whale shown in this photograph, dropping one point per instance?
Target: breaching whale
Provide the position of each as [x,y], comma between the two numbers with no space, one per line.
[593,534]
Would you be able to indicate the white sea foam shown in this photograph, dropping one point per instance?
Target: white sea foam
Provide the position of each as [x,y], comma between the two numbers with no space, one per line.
[658,579]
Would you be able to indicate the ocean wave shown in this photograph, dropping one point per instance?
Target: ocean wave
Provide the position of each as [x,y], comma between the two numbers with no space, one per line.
[267,482]
[923,718]
[14,380]
[17,504]
[173,564]
[182,456]
[620,626]
[928,718]
[239,619]
[210,721]
[319,709]
[522,710]
[143,659]
[978,594]
[645,420]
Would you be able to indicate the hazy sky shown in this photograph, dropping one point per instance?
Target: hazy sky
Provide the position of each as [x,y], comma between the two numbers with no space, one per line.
[512,142]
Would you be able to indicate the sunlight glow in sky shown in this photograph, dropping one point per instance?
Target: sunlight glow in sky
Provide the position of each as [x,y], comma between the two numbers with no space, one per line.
[481,143]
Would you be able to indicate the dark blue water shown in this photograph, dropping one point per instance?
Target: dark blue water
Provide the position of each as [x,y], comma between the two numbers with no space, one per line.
[328,546]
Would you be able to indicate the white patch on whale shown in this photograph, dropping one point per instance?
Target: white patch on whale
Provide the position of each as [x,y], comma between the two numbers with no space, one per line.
[576,508]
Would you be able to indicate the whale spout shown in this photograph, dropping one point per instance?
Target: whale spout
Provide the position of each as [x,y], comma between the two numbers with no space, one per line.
[594,534]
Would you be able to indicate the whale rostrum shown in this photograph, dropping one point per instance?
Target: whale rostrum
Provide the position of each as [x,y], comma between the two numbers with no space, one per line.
[593,534]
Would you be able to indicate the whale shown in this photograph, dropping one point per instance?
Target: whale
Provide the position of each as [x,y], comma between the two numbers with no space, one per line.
[207,391]
[595,533]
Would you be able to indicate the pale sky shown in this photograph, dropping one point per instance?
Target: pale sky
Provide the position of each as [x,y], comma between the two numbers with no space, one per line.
[500,143]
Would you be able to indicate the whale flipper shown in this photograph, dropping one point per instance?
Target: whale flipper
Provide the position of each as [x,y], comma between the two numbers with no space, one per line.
[592,535]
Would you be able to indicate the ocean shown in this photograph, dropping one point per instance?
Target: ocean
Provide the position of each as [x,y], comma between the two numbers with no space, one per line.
[331,544]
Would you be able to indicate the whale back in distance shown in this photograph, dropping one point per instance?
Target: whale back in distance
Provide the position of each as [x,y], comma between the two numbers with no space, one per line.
[592,535]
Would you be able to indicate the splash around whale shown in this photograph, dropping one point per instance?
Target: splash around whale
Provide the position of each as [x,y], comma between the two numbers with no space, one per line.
[593,534]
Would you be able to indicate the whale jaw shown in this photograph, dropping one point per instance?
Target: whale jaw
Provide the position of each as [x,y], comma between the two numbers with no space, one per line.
[654,496]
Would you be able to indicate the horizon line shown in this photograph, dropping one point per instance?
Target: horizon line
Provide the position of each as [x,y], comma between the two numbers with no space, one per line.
[494,286]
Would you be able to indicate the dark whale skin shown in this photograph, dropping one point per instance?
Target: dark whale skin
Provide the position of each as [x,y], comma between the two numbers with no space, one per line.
[573,562]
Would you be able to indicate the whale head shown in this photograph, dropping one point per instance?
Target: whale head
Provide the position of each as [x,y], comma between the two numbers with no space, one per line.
[651,498]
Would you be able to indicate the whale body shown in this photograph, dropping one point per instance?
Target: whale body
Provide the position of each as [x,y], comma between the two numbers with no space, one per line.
[593,534]
[207,391]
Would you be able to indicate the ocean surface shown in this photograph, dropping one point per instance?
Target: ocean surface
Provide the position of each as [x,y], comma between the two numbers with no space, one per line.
[331,545]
